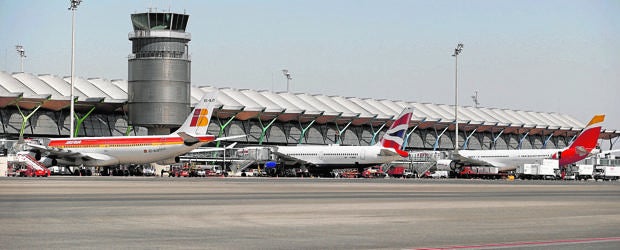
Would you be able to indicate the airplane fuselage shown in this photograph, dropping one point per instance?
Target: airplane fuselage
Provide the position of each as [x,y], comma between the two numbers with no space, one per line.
[510,159]
[335,156]
[106,151]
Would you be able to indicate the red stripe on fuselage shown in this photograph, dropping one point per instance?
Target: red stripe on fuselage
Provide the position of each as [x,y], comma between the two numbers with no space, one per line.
[130,140]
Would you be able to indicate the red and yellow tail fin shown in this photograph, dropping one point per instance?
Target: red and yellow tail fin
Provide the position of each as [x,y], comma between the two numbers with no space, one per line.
[585,142]
[199,119]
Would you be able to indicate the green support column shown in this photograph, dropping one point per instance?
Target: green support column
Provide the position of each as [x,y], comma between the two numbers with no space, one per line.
[79,121]
[303,131]
[25,118]
[264,129]
[222,127]
[128,130]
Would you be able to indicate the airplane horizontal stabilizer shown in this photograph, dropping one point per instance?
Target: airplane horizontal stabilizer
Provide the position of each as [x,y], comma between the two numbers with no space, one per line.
[188,139]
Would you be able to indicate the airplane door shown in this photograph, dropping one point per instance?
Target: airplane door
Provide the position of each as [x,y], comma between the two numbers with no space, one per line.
[363,154]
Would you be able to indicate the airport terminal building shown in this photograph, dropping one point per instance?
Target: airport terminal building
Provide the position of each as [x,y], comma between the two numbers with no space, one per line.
[40,106]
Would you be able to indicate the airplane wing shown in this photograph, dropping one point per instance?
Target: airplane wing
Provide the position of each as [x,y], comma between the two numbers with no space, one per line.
[470,161]
[66,154]
[290,158]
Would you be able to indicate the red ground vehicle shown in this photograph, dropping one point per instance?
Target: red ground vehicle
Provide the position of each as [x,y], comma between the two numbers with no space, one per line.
[396,171]
[349,174]
[179,172]
[372,172]
[32,172]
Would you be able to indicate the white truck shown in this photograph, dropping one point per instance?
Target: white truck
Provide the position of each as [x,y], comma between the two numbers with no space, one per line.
[546,170]
[580,172]
[607,173]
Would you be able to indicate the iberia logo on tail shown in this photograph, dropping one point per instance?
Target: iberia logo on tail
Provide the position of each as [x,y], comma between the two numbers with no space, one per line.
[198,122]
[200,118]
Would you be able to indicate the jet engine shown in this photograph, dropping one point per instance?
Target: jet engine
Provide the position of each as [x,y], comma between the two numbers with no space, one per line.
[447,165]
[170,161]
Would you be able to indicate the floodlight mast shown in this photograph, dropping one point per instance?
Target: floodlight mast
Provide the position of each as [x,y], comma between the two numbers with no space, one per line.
[288,79]
[457,51]
[22,54]
[72,8]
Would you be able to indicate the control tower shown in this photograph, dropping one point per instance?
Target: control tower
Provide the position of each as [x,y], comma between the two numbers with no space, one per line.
[159,71]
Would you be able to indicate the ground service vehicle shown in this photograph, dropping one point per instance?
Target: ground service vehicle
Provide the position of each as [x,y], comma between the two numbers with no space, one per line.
[580,172]
[607,173]
[396,172]
[546,170]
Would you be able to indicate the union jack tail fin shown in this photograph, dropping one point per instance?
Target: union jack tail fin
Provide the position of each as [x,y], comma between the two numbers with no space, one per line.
[395,135]
[198,120]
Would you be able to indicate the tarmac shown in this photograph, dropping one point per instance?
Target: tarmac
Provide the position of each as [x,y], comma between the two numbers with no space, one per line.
[287,213]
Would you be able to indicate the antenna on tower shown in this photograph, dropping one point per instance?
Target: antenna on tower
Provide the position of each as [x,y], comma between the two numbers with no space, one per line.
[22,54]
[475,99]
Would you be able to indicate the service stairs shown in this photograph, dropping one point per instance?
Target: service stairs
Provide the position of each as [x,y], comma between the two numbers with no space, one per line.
[29,161]
[238,166]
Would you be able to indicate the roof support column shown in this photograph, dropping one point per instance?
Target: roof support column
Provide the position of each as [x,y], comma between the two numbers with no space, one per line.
[79,121]
[264,129]
[611,144]
[436,145]
[547,141]
[128,130]
[406,141]
[341,132]
[466,142]
[521,140]
[25,119]
[2,121]
[304,130]
[222,127]
[572,139]
[374,134]
[495,138]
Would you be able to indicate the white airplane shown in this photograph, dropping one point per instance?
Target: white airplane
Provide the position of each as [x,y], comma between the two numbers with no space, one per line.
[335,156]
[115,150]
[507,160]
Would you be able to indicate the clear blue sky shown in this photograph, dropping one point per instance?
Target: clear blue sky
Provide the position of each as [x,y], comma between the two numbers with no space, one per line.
[547,56]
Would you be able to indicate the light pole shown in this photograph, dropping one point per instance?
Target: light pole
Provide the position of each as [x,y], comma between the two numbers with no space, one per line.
[22,54]
[288,78]
[457,51]
[73,7]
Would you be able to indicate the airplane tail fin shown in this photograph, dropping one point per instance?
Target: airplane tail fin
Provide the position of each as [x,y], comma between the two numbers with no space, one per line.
[589,136]
[394,137]
[583,144]
[198,120]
